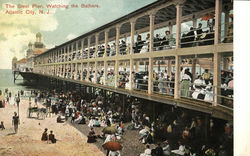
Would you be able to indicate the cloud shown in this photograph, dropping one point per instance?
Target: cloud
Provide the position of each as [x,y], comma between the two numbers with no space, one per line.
[2,37]
[16,31]
[71,36]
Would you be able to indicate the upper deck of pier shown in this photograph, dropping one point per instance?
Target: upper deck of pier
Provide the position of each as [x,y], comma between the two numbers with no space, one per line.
[104,56]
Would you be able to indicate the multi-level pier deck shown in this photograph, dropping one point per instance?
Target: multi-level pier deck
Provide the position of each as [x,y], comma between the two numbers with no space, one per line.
[103,57]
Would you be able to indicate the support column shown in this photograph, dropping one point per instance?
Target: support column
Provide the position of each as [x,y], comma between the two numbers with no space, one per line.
[116,73]
[106,42]
[82,49]
[193,69]
[125,39]
[132,39]
[218,5]
[194,23]
[64,70]
[225,63]
[226,22]
[88,47]
[81,71]
[88,71]
[131,76]
[72,51]
[137,63]
[170,27]
[105,72]
[68,53]
[150,75]
[151,31]
[96,44]
[117,49]
[76,69]
[178,24]
[217,77]
[177,77]
[95,75]
[169,68]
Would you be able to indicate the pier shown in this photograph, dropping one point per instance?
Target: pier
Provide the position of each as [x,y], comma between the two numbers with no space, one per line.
[127,56]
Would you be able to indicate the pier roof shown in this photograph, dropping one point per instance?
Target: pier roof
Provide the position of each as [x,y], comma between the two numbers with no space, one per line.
[23,60]
[163,14]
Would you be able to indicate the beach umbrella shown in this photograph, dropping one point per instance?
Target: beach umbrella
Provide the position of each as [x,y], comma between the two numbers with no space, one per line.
[207,17]
[112,146]
[109,130]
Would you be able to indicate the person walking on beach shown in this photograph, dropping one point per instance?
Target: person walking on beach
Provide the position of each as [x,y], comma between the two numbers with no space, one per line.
[17,100]
[15,122]
[10,94]
[7,99]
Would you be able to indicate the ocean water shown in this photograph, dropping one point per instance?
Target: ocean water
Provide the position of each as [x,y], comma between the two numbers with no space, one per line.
[7,81]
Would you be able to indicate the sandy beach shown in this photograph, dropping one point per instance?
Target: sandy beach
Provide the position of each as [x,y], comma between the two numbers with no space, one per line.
[27,142]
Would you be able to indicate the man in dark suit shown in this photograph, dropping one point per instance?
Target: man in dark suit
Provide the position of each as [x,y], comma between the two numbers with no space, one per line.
[139,44]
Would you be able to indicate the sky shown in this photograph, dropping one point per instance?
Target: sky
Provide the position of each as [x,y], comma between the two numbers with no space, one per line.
[61,25]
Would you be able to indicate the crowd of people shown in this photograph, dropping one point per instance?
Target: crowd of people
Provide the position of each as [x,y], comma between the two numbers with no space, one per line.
[198,87]
[173,130]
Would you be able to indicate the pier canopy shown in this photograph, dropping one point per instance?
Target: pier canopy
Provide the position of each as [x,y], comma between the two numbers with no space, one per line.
[179,52]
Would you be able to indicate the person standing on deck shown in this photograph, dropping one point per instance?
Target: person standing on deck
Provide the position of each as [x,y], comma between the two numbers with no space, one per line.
[15,122]
[185,81]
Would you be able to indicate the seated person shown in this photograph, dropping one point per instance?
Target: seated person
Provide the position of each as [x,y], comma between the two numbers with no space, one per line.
[59,119]
[52,137]
[79,119]
[166,149]
[45,135]
[158,150]
[149,137]
[119,130]
[83,121]
[147,151]
[91,136]
[2,126]
[96,123]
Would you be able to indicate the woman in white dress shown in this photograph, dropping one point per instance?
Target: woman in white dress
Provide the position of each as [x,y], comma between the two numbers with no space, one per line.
[145,47]
[198,86]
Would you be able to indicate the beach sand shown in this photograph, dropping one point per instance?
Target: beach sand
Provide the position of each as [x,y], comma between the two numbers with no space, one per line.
[27,142]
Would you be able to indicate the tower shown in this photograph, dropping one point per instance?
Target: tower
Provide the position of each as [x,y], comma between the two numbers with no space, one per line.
[30,45]
[38,37]
[14,65]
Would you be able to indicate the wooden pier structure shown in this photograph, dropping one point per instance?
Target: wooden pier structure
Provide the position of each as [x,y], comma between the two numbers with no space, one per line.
[99,58]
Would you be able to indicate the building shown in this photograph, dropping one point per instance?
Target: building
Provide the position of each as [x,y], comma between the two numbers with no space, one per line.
[34,49]
[21,64]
